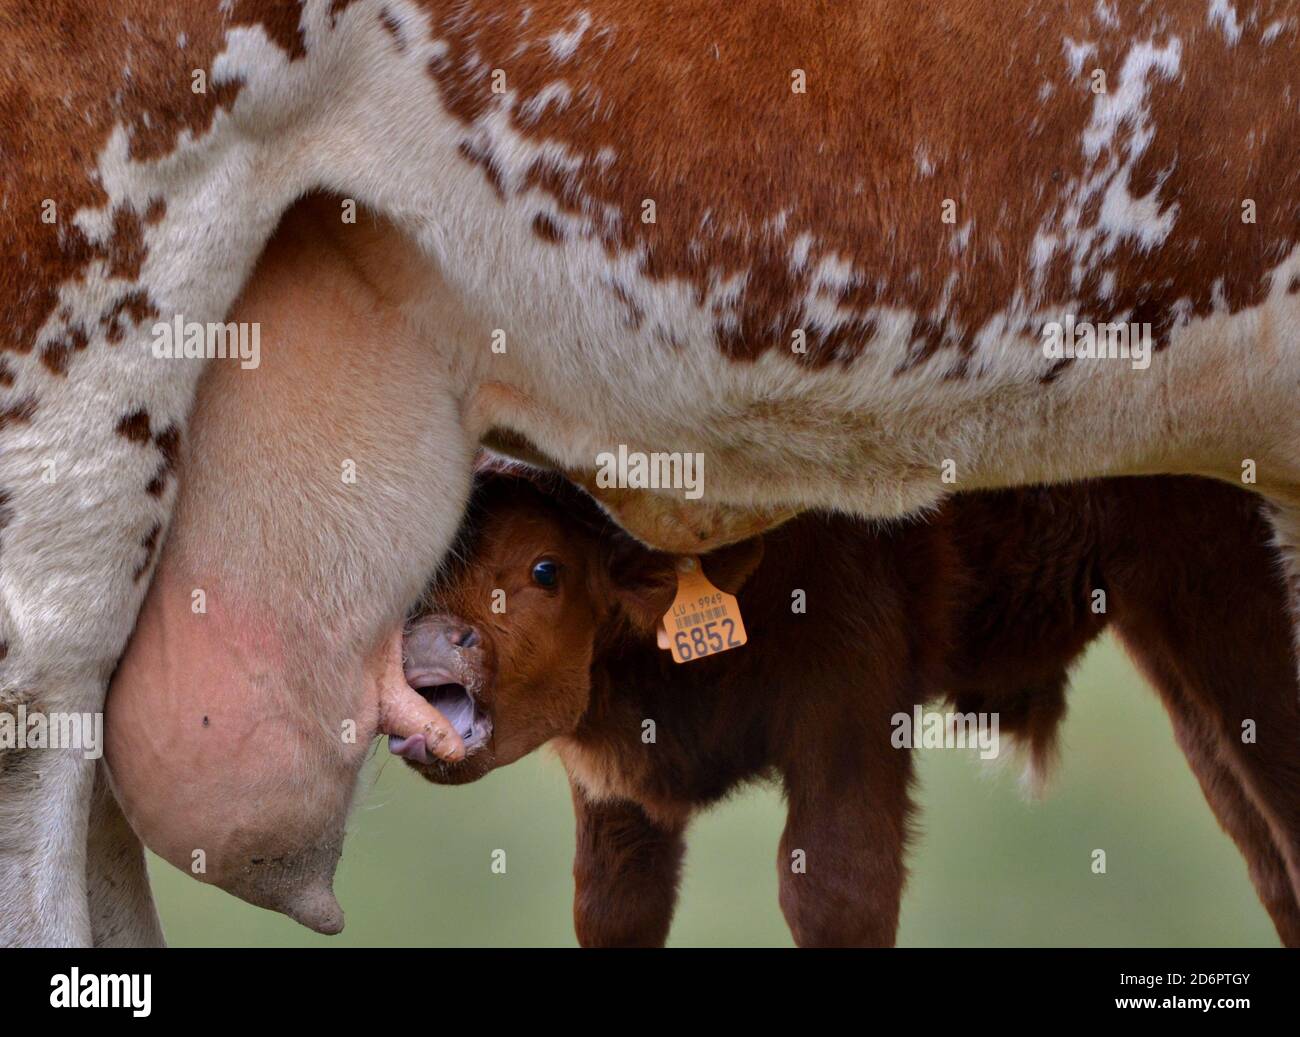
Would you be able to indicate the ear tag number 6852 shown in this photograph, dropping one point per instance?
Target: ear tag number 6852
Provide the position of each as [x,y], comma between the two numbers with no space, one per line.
[703,620]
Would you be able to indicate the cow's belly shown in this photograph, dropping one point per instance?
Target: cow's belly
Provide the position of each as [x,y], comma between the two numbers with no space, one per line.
[536,344]
[598,354]
[581,376]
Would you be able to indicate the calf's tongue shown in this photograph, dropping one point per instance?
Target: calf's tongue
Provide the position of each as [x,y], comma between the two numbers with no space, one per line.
[412,748]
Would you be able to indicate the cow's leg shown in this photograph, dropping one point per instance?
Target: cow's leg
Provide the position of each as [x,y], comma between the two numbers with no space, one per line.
[87,493]
[122,912]
[44,797]
[841,857]
[625,874]
[45,794]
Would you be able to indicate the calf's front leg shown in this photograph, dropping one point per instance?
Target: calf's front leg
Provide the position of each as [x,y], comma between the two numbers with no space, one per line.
[625,874]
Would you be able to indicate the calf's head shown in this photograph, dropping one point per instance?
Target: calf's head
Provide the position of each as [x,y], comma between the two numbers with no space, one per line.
[543,588]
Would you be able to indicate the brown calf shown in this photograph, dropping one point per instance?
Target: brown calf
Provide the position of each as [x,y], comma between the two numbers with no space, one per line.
[989,603]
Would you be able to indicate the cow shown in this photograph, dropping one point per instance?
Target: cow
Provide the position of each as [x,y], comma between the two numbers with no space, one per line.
[544,631]
[833,251]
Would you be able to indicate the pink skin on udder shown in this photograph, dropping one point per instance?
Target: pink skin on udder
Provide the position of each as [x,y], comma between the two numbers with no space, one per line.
[229,770]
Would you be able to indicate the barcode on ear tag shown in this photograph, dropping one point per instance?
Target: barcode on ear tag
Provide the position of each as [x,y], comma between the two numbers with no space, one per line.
[703,620]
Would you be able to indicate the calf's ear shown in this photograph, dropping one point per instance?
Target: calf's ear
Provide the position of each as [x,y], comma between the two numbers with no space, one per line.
[729,567]
[643,583]
[635,582]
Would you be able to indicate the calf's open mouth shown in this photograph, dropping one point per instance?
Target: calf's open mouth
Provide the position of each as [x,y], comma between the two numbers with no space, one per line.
[443,675]
[416,730]
[455,702]
[445,667]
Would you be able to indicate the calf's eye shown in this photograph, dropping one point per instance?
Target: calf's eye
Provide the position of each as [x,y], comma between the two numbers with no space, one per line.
[546,573]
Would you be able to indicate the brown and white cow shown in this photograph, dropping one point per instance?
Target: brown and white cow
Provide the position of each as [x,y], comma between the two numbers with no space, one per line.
[817,245]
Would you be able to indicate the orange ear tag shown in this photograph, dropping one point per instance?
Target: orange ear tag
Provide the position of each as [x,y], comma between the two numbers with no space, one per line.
[703,620]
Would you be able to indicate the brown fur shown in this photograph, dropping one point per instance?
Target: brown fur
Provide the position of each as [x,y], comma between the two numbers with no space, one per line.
[989,603]
[888,82]
[666,113]
[58,106]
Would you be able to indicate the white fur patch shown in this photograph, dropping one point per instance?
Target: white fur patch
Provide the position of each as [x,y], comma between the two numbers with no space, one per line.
[1223,14]
[564,45]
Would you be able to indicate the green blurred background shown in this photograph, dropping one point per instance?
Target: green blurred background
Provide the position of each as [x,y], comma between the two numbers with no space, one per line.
[989,868]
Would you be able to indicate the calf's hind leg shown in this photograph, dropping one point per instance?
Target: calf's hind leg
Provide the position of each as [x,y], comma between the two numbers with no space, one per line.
[1235,812]
[840,865]
[1207,625]
[1268,765]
